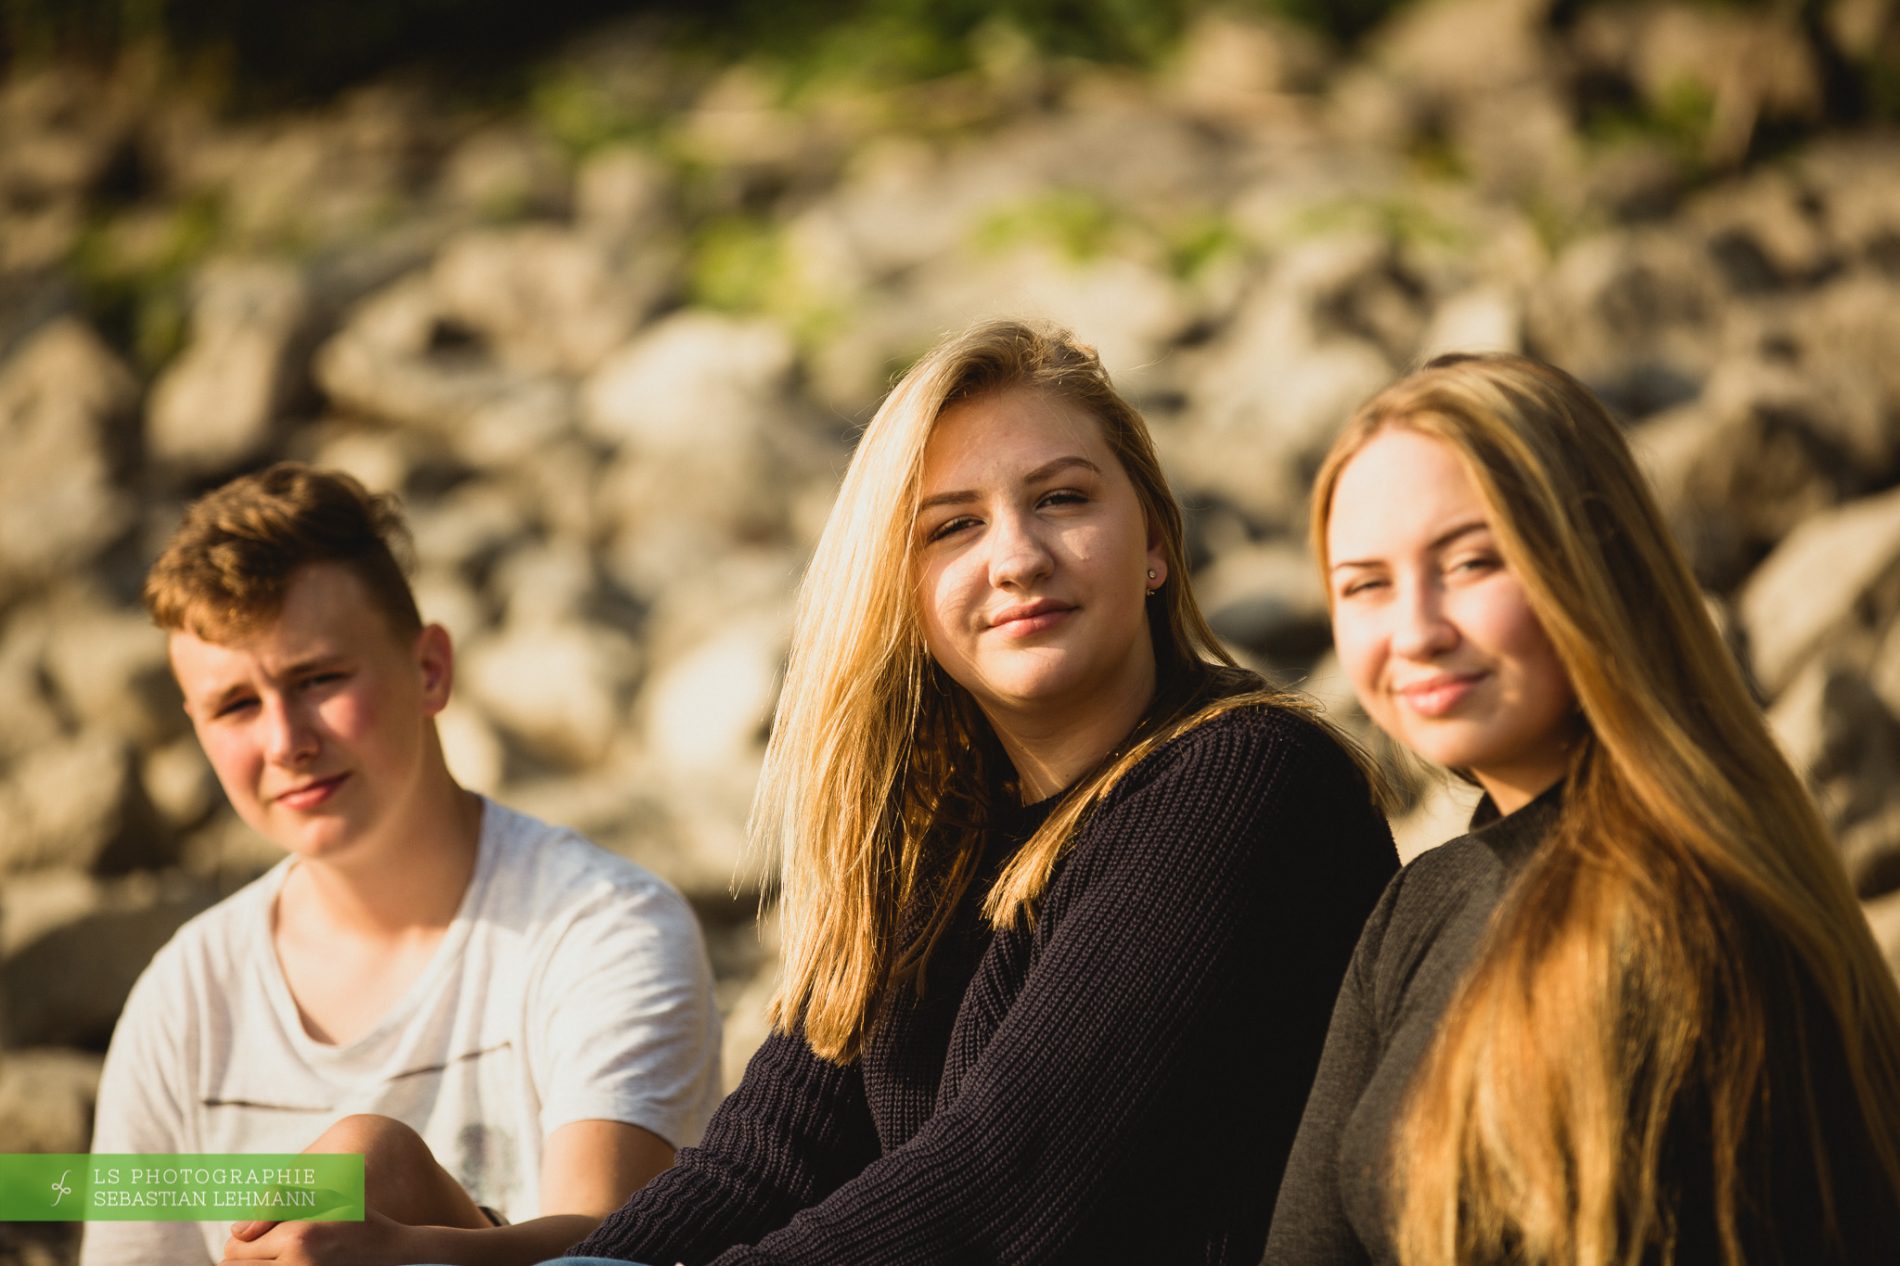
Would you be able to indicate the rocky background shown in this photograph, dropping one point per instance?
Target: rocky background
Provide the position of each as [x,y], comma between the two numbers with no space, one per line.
[610,336]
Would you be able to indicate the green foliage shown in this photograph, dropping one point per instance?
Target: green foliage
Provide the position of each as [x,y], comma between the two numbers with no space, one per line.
[577,111]
[742,264]
[1079,224]
[136,294]
[1082,225]
[1406,221]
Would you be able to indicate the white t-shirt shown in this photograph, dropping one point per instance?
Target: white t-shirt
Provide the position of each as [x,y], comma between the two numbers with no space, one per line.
[572,985]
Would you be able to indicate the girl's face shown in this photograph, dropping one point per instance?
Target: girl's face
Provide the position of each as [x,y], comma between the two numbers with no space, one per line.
[1034,561]
[1434,629]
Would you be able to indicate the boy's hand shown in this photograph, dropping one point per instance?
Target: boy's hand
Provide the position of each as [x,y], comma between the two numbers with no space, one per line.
[375,1241]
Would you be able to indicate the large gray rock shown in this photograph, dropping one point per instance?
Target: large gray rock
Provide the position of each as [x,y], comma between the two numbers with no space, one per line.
[62,397]
[46,1099]
[691,385]
[1831,580]
[402,359]
[507,170]
[219,404]
[561,689]
[1633,314]
[1749,461]
[1749,64]
[1300,356]
[1768,232]
[26,698]
[79,803]
[71,946]
[547,298]
[1842,738]
[698,407]
[110,670]
[1268,599]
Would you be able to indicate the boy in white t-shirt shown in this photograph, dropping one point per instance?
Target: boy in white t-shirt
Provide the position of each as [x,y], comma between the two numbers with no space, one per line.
[514,1027]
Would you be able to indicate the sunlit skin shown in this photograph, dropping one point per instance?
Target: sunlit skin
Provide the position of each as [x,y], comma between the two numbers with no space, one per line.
[1434,629]
[320,725]
[1034,560]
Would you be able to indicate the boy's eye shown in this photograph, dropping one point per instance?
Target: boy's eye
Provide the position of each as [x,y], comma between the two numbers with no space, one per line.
[234,707]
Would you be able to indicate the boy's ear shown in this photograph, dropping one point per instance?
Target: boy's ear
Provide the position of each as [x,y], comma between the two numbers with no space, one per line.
[435,660]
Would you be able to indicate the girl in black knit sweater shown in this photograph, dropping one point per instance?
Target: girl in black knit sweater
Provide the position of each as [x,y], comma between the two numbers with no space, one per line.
[1066,894]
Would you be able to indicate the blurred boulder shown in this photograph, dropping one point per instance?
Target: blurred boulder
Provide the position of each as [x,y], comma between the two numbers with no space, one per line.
[63,398]
[465,531]
[1311,345]
[110,669]
[1751,65]
[546,298]
[218,406]
[400,358]
[1633,314]
[1767,232]
[1842,738]
[71,946]
[46,1099]
[623,193]
[79,803]
[1268,599]
[1752,458]
[561,688]
[475,755]
[506,170]
[26,697]
[1831,581]
[696,409]
[180,784]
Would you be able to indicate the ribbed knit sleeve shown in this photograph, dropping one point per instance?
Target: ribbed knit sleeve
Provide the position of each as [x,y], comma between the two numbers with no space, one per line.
[795,1129]
[1154,1034]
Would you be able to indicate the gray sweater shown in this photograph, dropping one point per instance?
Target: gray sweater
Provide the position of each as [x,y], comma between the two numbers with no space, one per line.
[1334,1205]
[1411,957]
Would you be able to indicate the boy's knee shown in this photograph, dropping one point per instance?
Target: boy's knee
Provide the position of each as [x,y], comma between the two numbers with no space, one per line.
[376,1137]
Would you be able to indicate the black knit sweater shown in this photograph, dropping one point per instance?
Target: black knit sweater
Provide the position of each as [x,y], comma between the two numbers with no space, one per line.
[1118,1080]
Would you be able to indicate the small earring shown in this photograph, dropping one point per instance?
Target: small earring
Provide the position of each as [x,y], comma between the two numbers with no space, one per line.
[1157,589]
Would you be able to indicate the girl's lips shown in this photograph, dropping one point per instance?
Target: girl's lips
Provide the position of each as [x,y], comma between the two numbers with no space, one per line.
[1032,621]
[1438,696]
[311,795]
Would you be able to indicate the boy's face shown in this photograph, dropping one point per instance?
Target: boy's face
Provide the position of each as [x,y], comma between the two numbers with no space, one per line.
[319,724]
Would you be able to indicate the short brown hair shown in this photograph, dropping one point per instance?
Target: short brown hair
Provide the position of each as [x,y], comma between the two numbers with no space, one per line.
[227,567]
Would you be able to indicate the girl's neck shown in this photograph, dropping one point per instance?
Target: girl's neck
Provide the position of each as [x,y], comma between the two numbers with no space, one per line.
[1050,752]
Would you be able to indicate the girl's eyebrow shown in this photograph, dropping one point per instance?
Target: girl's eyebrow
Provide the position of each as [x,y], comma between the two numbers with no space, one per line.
[1040,473]
[1436,543]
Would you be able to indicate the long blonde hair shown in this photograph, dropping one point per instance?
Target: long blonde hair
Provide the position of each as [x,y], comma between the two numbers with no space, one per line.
[1644,994]
[878,776]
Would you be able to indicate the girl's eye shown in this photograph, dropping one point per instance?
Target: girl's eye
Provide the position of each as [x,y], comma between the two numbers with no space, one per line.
[1475,564]
[1359,586]
[949,527]
[1062,497]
